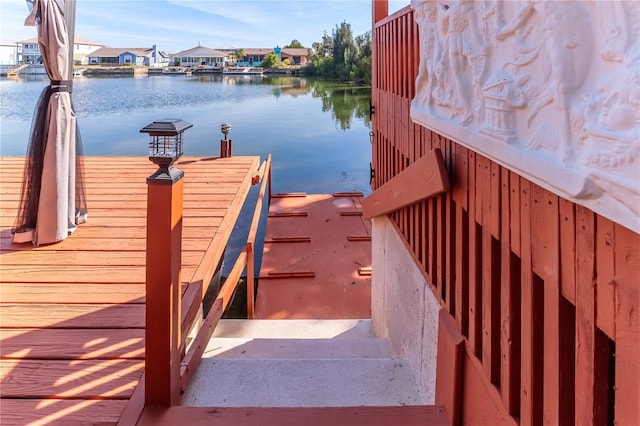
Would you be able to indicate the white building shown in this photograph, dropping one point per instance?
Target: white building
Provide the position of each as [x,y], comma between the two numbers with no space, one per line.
[199,55]
[28,51]
[8,53]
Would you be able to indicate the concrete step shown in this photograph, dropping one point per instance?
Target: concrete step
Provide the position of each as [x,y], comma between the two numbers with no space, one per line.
[333,348]
[224,382]
[294,329]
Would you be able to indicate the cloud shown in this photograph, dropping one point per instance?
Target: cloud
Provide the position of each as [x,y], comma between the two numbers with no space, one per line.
[176,25]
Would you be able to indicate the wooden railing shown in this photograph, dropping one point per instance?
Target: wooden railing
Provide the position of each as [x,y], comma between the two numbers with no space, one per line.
[246,259]
[16,70]
[545,292]
[170,314]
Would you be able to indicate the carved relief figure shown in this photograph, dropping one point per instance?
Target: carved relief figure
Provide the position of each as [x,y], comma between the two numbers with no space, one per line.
[491,20]
[613,23]
[564,58]
[502,96]
[548,88]
[612,122]
[426,15]
[466,55]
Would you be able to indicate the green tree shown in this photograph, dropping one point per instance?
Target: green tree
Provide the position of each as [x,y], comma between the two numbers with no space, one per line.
[323,48]
[340,56]
[238,54]
[344,48]
[294,44]
[270,60]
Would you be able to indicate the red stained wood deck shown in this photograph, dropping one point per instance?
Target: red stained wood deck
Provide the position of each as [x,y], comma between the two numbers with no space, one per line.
[317,258]
[72,313]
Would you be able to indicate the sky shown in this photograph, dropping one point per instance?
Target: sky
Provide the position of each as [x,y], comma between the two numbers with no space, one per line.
[176,25]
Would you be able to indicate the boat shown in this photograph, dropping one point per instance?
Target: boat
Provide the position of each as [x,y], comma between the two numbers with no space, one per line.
[176,71]
[243,70]
[206,69]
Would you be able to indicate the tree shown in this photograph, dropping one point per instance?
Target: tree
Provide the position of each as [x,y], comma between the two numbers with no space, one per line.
[340,56]
[344,49]
[295,44]
[270,60]
[324,48]
[238,54]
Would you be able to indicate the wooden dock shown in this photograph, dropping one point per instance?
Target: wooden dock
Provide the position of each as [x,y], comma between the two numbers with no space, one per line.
[317,258]
[72,314]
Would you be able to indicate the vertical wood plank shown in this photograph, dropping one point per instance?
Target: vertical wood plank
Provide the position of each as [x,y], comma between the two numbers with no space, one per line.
[627,327]
[483,191]
[527,339]
[510,309]
[605,261]
[450,234]
[450,367]
[545,261]
[380,10]
[440,228]
[496,194]
[459,195]
[568,250]
[475,265]
[515,223]
[585,316]
[487,305]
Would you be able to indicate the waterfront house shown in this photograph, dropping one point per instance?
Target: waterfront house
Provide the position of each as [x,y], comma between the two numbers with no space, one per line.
[28,51]
[142,56]
[253,57]
[199,55]
[297,56]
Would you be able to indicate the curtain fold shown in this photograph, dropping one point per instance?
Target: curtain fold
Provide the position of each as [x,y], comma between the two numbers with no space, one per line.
[53,196]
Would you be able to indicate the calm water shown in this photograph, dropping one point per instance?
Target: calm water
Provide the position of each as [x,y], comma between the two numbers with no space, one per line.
[316,131]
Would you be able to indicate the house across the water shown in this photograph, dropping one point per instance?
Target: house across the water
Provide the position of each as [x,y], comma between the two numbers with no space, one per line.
[28,51]
[139,56]
[199,56]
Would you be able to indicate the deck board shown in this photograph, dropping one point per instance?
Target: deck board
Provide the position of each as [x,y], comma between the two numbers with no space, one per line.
[310,266]
[72,343]
[87,379]
[61,412]
[72,313]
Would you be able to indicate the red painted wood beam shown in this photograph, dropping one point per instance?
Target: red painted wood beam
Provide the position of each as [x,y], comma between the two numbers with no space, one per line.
[424,179]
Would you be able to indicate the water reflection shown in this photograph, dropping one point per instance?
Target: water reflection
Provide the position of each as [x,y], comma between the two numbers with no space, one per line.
[346,102]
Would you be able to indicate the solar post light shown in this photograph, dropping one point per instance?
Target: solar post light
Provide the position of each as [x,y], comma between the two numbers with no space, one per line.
[165,143]
[226,145]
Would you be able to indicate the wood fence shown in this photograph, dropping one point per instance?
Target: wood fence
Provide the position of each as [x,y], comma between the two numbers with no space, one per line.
[545,292]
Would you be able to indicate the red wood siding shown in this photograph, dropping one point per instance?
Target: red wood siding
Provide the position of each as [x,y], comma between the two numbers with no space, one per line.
[545,292]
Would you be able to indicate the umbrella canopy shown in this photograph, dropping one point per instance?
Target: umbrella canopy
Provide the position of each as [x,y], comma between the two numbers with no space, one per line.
[53,199]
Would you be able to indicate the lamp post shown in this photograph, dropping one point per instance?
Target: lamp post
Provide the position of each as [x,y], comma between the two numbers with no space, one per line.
[165,145]
[226,145]
[163,263]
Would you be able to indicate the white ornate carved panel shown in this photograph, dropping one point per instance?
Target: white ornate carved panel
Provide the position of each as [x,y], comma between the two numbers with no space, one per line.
[549,89]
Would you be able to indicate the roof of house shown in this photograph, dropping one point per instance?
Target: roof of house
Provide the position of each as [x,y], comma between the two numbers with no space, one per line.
[295,51]
[227,47]
[257,51]
[285,51]
[106,52]
[200,51]
[76,40]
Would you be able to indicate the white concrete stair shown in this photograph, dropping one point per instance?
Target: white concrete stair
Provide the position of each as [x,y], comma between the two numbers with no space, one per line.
[300,363]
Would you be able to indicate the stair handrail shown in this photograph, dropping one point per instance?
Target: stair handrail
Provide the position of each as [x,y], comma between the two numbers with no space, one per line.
[246,258]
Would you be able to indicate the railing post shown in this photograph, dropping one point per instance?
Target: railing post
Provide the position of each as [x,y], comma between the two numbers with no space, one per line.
[250,280]
[380,9]
[163,295]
